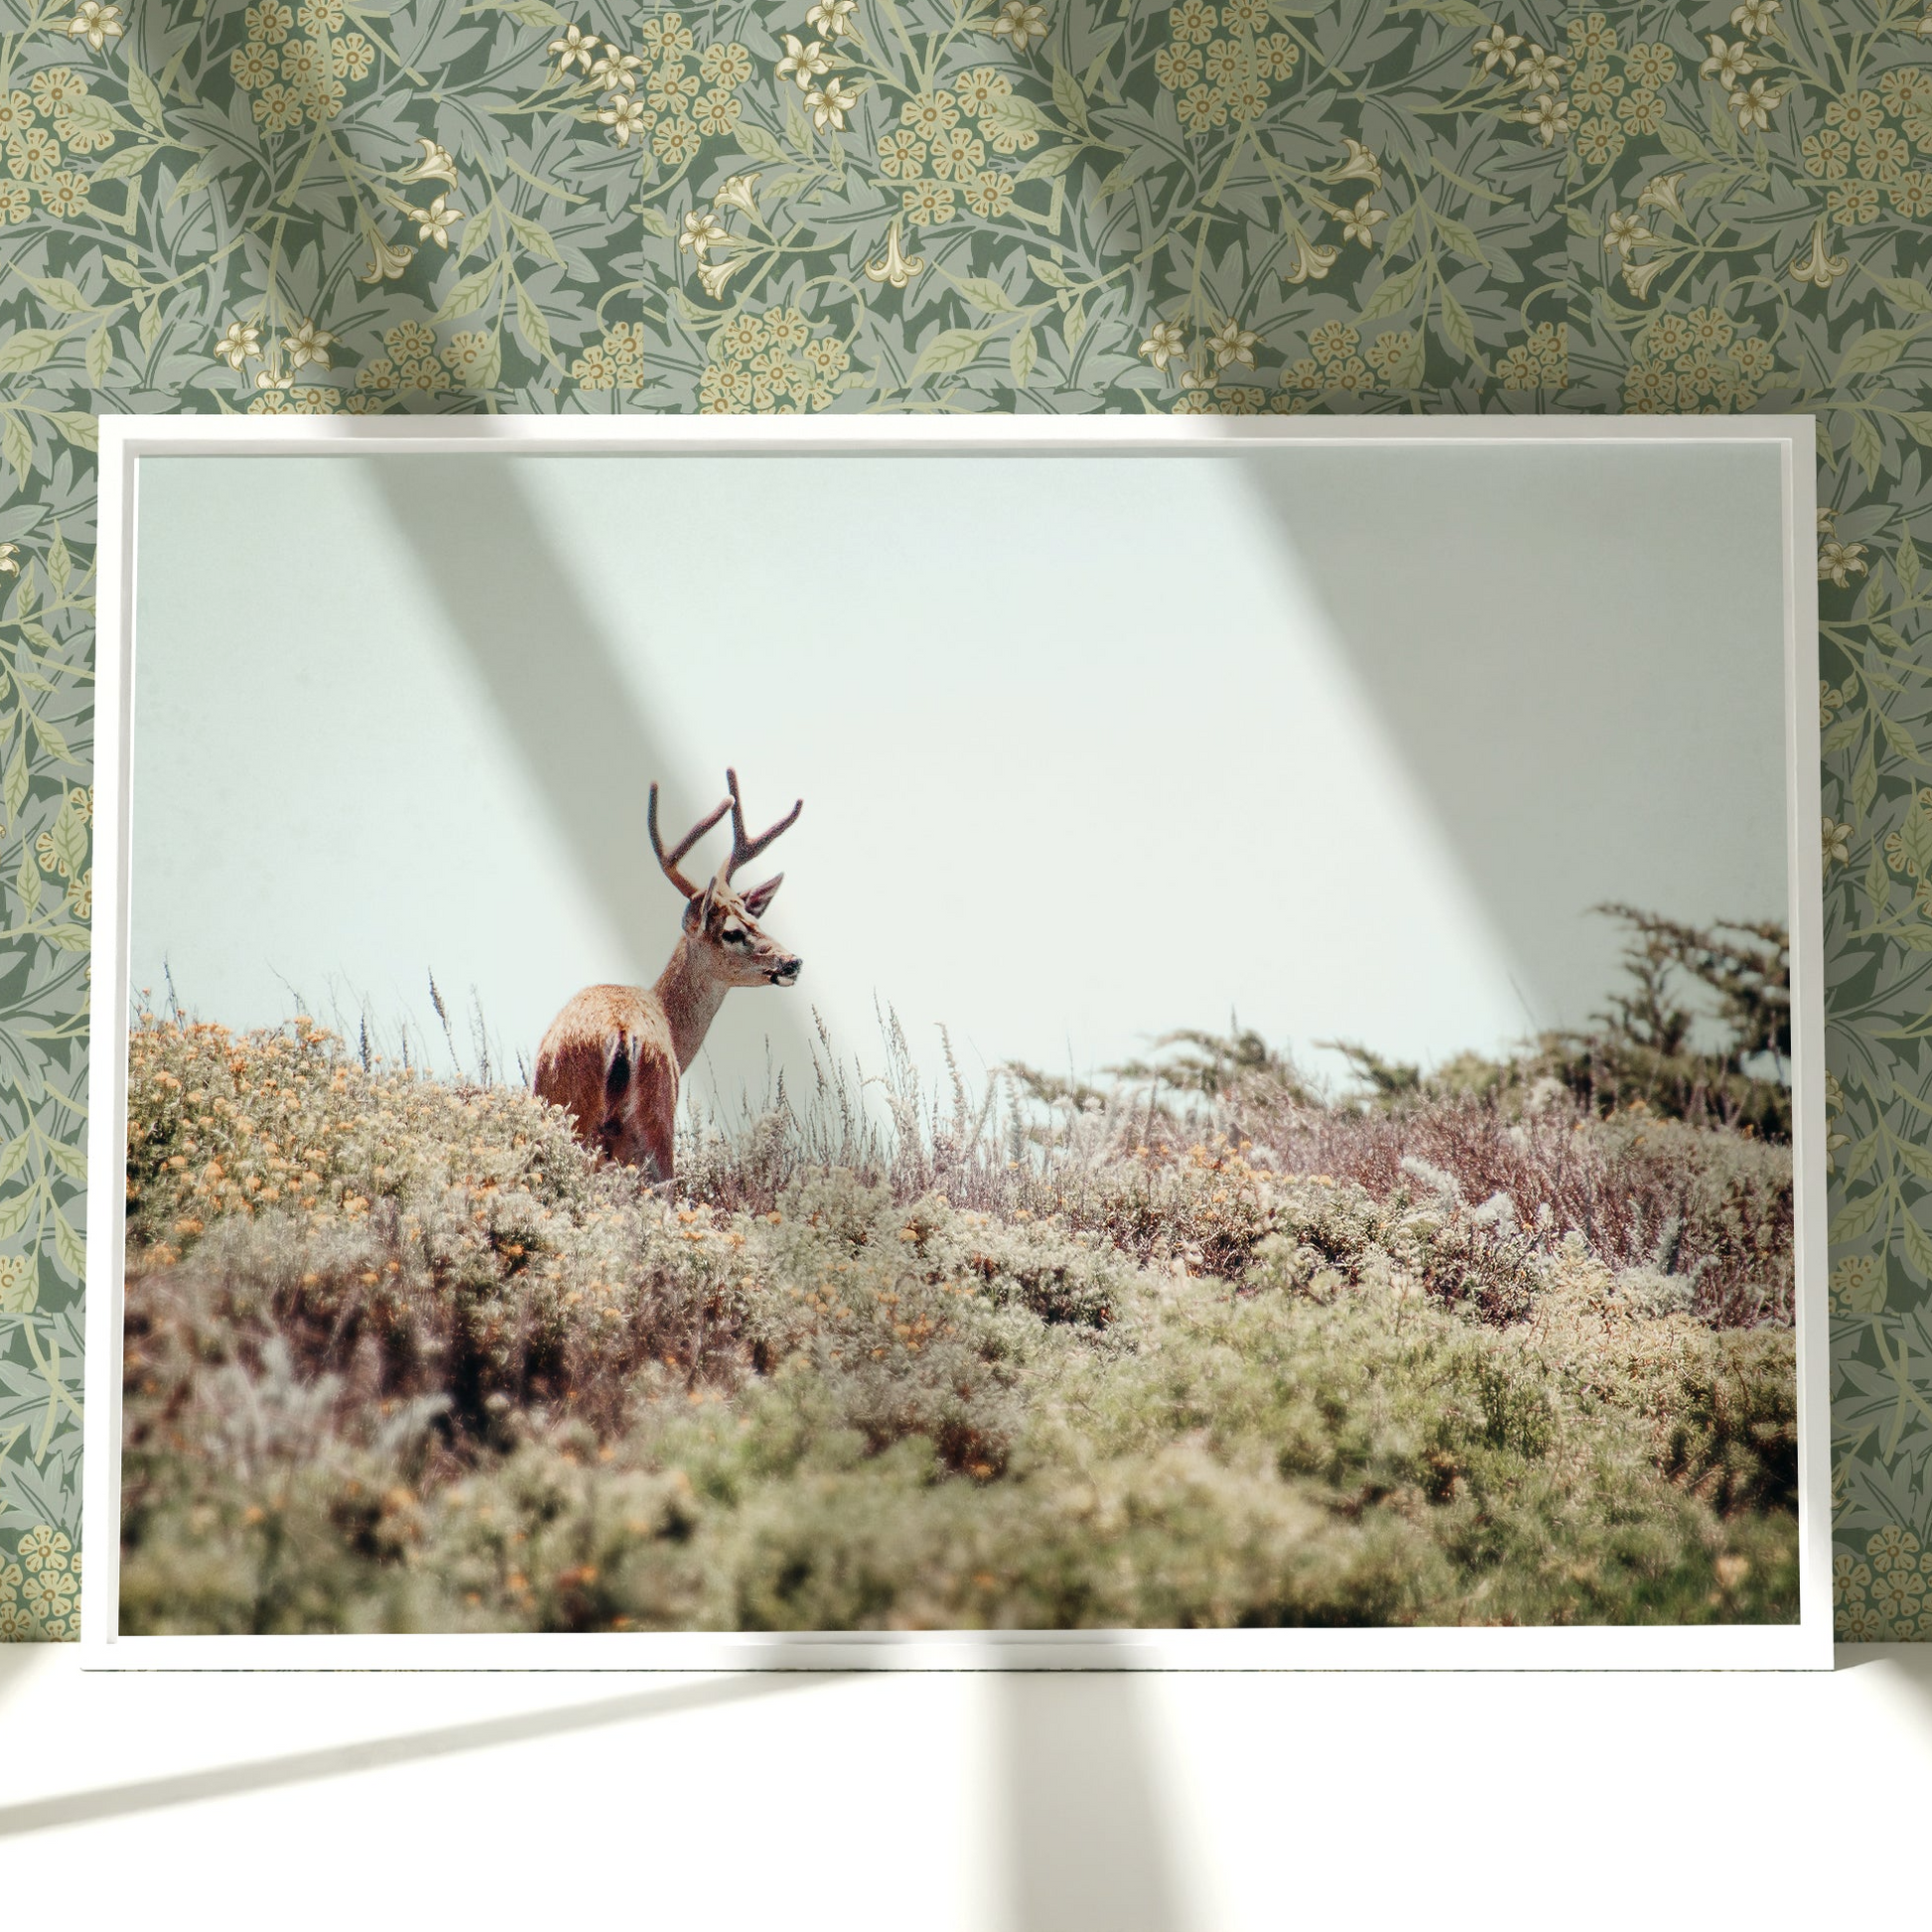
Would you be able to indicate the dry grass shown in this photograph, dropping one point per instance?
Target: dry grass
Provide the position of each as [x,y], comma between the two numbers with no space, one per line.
[399,1356]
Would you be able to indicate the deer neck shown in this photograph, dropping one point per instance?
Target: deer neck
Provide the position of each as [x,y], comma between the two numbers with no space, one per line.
[690,997]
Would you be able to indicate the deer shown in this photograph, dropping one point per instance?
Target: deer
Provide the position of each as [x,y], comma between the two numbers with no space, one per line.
[613,1058]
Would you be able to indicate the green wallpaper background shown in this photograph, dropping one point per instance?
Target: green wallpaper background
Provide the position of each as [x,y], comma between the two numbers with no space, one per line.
[1232,205]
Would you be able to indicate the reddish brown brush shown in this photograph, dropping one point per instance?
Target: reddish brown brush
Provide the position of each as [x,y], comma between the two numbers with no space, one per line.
[1642,1191]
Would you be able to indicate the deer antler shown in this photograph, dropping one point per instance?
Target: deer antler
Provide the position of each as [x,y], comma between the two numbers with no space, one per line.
[744,849]
[668,860]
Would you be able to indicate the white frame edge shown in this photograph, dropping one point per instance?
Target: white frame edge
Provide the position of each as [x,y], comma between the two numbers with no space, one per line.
[125,439]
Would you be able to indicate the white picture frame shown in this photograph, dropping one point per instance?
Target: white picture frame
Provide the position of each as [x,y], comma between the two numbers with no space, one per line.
[126,440]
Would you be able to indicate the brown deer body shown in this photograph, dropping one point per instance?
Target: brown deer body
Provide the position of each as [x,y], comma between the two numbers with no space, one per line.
[614,1057]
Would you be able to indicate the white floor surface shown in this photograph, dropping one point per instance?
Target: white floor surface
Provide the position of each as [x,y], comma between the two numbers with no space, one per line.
[970,1803]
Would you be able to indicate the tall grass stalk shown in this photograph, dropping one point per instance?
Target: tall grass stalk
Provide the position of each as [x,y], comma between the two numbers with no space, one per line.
[897,1351]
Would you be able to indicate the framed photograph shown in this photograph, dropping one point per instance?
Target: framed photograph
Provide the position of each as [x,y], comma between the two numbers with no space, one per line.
[1277,1119]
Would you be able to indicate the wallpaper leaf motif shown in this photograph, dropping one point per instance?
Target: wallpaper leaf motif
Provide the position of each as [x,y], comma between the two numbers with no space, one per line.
[1233,206]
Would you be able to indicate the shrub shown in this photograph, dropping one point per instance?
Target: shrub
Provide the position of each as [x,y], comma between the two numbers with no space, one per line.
[399,1356]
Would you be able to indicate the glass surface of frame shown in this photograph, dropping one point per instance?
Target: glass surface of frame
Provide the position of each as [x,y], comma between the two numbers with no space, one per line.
[1278,1118]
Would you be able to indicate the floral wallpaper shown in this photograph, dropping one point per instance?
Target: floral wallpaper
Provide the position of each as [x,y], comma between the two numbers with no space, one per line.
[1232,205]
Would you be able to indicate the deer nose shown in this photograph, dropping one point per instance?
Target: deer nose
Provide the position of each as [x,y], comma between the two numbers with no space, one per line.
[786,973]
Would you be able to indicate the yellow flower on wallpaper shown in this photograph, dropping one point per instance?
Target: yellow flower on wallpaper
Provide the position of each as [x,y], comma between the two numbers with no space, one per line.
[18,1284]
[1728,61]
[1359,163]
[1819,267]
[895,266]
[702,232]
[832,18]
[96,23]
[803,63]
[626,117]
[1539,70]
[238,343]
[575,47]
[436,163]
[1548,116]
[725,63]
[714,275]
[388,259]
[1857,1285]
[772,362]
[1638,275]
[1165,342]
[307,343]
[433,224]
[1361,223]
[665,37]
[1752,105]
[1623,232]
[675,140]
[1312,261]
[1021,23]
[1230,343]
[1838,562]
[615,71]
[618,362]
[831,104]
[1660,193]
[1498,45]
[928,202]
[1541,361]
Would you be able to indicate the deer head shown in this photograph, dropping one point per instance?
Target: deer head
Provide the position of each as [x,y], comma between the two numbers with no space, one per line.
[720,924]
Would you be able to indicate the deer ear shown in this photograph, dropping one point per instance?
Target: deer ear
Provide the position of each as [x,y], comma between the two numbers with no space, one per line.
[759,897]
[697,909]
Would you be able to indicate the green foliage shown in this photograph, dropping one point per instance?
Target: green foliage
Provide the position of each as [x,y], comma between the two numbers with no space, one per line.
[1736,1442]
[1641,1053]
[1216,1064]
[400,1357]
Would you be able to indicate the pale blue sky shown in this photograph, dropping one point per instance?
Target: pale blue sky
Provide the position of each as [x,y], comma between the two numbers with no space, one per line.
[1347,741]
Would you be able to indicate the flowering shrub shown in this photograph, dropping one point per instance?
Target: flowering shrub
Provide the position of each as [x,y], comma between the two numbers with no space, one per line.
[399,1356]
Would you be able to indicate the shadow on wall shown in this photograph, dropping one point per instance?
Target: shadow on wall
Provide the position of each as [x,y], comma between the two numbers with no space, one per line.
[1602,720]
[542,660]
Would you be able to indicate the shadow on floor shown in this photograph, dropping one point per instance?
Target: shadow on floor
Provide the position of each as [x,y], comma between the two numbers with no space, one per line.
[1088,1848]
[342,1760]
[1081,1833]
[1905,1667]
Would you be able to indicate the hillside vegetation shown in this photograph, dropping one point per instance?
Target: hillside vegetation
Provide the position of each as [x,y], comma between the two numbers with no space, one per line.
[398,1357]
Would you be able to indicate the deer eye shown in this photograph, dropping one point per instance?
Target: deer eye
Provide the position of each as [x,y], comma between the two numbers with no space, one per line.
[736,935]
